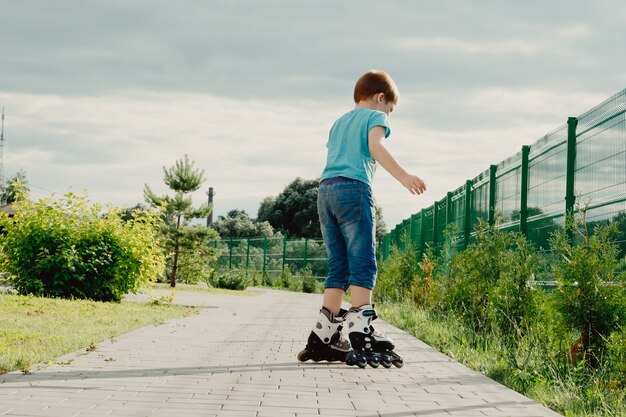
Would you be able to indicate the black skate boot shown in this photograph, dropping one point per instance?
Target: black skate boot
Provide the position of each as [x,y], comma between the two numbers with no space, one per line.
[369,346]
[326,341]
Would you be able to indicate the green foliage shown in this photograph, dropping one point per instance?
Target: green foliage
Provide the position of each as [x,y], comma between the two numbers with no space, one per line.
[16,189]
[424,284]
[230,279]
[165,299]
[616,357]
[381,227]
[294,210]
[482,307]
[66,248]
[237,224]
[476,271]
[591,298]
[396,275]
[190,247]
[512,302]
[309,283]
[182,177]
[177,238]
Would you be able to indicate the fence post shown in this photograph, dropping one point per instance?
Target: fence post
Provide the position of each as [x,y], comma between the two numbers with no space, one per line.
[523,210]
[448,207]
[422,240]
[435,215]
[306,246]
[570,198]
[230,253]
[264,253]
[247,256]
[492,194]
[468,212]
[284,250]
[448,239]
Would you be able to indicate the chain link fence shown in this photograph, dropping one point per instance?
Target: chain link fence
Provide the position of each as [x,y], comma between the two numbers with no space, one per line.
[271,256]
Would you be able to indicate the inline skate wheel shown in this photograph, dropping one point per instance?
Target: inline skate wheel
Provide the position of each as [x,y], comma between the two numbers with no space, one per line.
[303,356]
[373,363]
[353,358]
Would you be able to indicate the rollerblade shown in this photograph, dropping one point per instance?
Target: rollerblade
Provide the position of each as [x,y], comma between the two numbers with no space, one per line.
[369,346]
[326,341]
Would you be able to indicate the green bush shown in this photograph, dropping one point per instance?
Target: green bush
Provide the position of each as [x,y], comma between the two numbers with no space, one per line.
[233,279]
[396,275]
[512,302]
[590,297]
[475,272]
[66,248]
[289,281]
[310,284]
[616,356]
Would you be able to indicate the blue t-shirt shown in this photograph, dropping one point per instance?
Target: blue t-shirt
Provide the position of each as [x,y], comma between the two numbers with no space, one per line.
[348,150]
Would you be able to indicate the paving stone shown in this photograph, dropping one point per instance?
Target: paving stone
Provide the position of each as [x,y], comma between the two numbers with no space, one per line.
[237,358]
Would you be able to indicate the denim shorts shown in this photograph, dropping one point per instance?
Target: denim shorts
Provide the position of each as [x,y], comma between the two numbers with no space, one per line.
[347,219]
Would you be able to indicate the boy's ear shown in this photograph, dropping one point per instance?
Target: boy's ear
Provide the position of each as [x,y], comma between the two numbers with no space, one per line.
[379,97]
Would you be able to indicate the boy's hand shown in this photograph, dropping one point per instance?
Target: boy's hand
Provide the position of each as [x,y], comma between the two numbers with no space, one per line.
[414,184]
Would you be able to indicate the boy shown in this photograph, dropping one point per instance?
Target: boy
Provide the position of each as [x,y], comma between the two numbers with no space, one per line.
[347,218]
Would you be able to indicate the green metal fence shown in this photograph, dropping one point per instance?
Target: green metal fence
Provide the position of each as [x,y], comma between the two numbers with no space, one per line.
[532,190]
[270,256]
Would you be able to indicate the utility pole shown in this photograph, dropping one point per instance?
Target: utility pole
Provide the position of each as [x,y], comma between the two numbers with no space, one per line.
[209,219]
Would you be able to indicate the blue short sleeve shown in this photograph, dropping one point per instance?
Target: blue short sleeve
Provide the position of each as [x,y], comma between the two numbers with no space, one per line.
[348,145]
[378,118]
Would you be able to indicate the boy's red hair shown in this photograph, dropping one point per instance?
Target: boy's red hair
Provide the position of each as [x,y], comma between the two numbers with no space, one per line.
[374,82]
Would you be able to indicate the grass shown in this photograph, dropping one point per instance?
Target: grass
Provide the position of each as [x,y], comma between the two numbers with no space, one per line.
[35,329]
[571,393]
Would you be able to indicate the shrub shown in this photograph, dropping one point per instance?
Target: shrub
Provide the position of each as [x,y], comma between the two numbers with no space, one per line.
[397,274]
[473,274]
[66,248]
[512,304]
[589,296]
[194,266]
[424,284]
[233,279]
[310,284]
[616,347]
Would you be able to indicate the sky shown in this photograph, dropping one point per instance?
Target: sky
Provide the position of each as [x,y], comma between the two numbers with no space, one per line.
[100,96]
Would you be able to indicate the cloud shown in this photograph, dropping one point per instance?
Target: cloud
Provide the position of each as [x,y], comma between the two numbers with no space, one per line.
[101,95]
[113,144]
[489,47]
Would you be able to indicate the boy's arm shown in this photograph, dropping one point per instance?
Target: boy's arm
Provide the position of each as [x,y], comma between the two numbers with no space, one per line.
[412,182]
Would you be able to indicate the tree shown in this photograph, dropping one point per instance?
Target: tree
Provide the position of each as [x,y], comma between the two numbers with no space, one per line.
[381,227]
[238,224]
[177,211]
[15,190]
[265,209]
[293,211]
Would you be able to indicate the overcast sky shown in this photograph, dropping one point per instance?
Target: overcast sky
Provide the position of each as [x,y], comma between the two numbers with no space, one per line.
[100,95]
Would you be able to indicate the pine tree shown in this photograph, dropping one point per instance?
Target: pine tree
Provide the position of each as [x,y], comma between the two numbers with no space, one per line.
[177,211]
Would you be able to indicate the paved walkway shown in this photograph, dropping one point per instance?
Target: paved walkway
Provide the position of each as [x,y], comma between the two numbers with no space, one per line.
[237,358]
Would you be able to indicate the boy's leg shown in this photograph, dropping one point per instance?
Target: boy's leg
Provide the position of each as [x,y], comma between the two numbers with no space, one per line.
[326,341]
[360,296]
[333,297]
[337,279]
